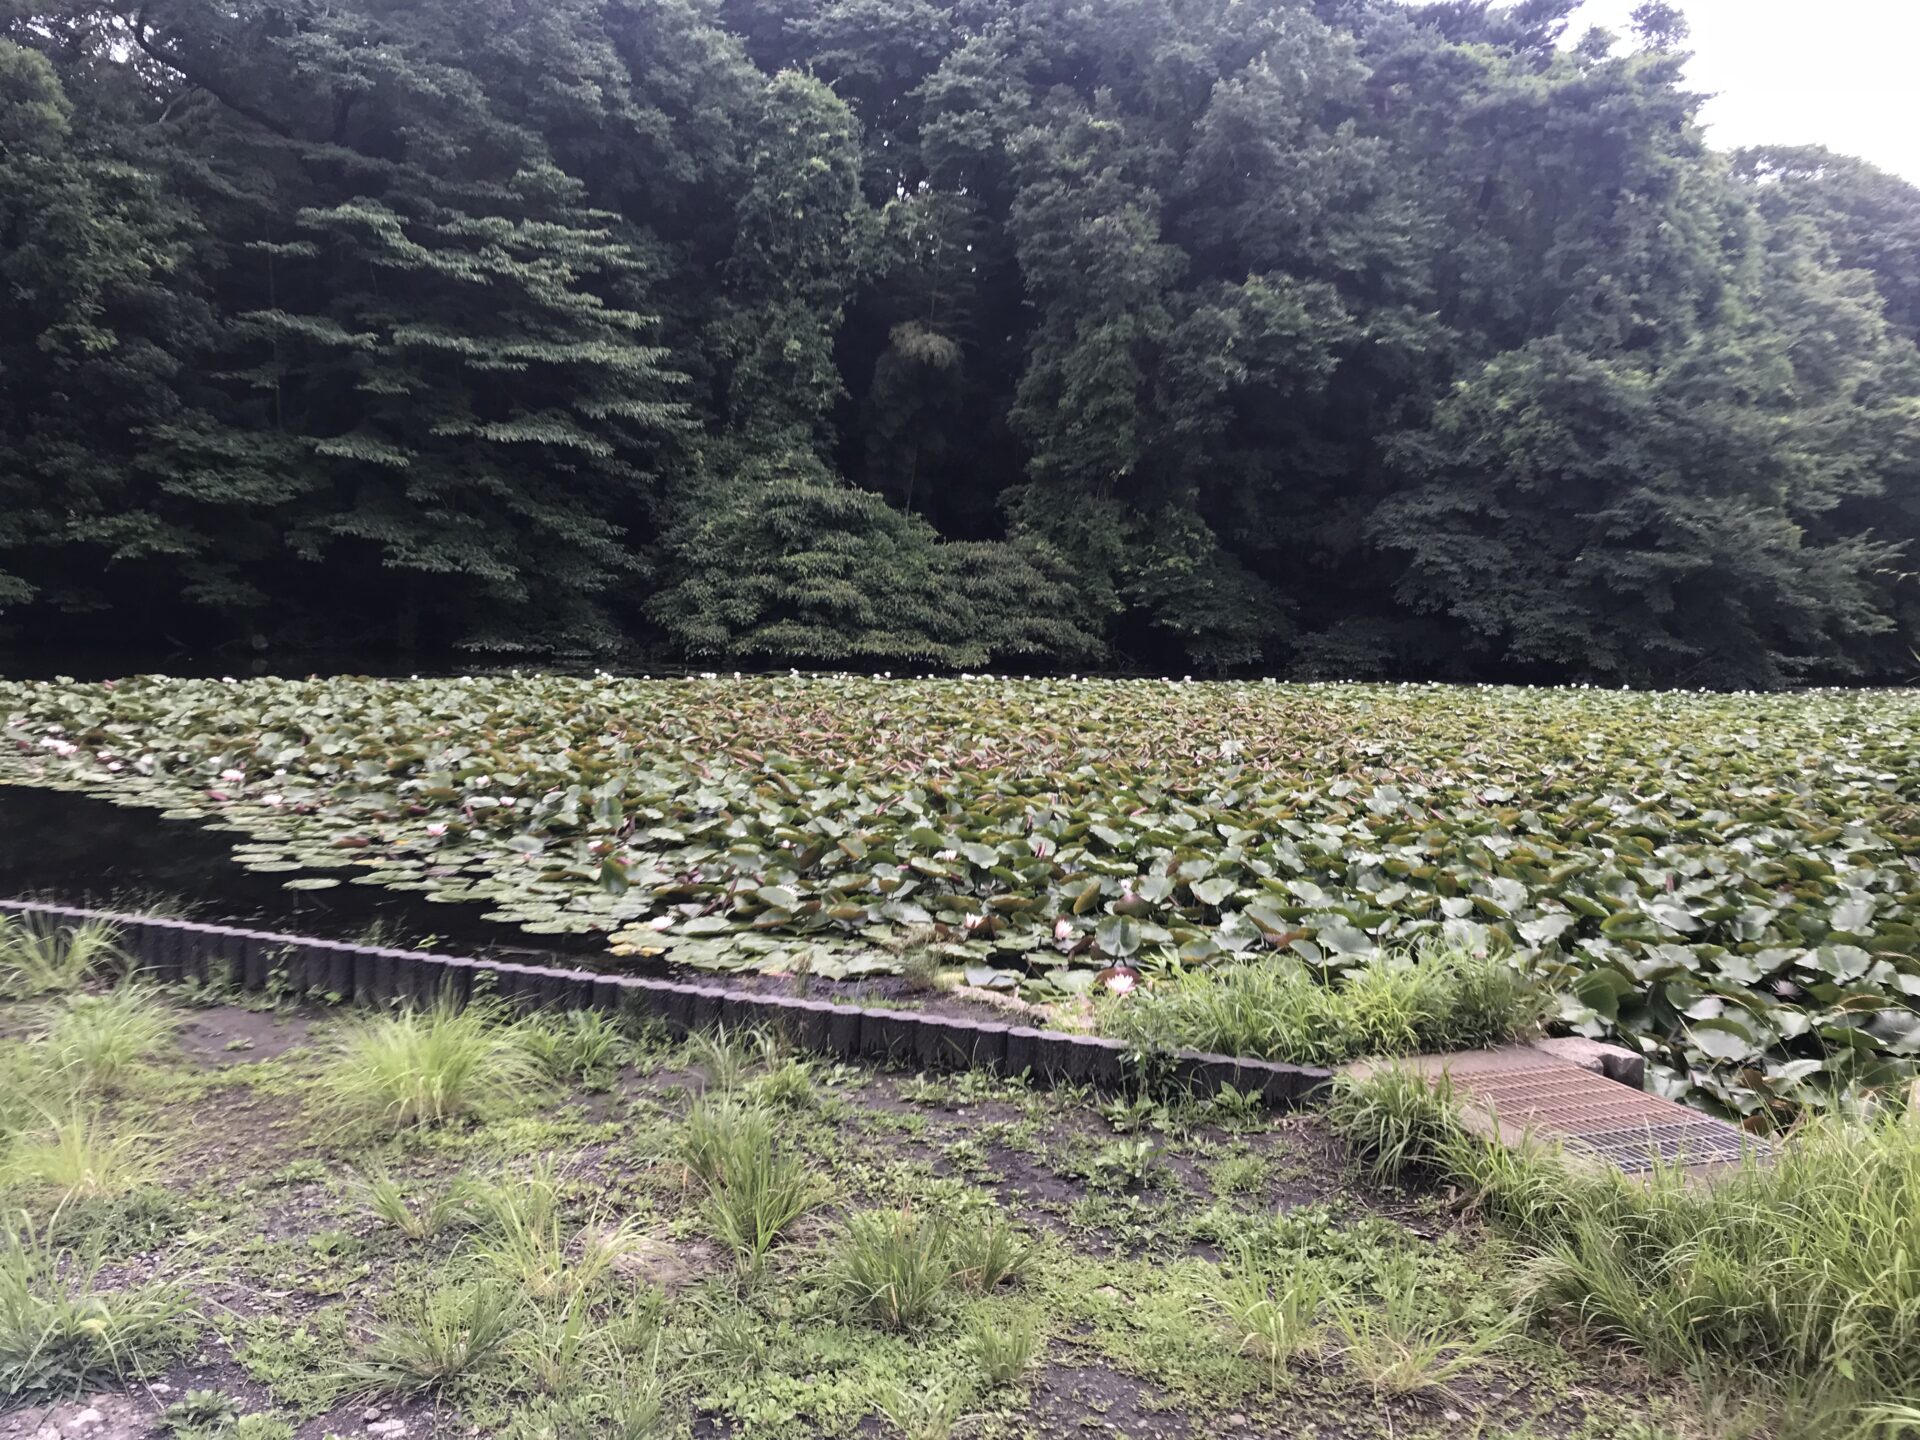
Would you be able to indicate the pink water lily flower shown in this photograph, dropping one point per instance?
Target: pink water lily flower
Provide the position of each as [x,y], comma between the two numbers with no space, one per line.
[437,829]
[1062,928]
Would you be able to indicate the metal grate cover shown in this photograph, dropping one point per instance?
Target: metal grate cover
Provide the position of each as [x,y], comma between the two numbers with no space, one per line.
[1589,1113]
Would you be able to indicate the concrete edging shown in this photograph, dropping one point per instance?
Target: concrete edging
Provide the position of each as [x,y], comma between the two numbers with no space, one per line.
[337,972]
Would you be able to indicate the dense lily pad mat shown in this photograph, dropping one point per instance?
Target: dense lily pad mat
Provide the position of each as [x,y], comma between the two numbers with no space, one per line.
[244,1192]
[1730,882]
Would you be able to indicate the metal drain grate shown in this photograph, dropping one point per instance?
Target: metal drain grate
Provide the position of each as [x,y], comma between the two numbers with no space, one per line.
[1588,1113]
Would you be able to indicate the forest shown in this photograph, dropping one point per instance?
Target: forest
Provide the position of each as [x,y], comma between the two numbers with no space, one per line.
[1327,338]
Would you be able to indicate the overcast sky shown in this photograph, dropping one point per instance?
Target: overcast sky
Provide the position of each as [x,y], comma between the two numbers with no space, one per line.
[1839,73]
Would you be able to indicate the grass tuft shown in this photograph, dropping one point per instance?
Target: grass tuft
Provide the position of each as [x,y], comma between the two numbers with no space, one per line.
[1274,1310]
[1392,1118]
[755,1188]
[429,1067]
[1003,1349]
[525,1236]
[1801,1268]
[97,1042]
[37,958]
[582,1047]
[421,1218]
[437,1338]
[61,1332]
[987,1252]
[896,1266]
[76,1157]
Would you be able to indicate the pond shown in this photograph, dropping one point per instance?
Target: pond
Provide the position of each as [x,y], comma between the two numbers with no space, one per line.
[77,849]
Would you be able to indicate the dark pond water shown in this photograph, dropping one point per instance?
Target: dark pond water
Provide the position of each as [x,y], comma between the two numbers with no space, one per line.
[77,850]
[81,851]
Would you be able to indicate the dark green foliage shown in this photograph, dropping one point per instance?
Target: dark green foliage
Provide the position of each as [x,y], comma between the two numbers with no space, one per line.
[1345,338]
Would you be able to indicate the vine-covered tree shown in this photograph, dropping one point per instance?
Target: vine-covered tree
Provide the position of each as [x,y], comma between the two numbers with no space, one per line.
[1337,337]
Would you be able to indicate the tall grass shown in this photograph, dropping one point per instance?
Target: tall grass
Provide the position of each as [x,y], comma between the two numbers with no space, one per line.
[1393,1003]
[429,1067]
[37,958]
[896,1265]
[755,1187]
[1803,1269]
[76,1157]
[98,1041]
[525,1235]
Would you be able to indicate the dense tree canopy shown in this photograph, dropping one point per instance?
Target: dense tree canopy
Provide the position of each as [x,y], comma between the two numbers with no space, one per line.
[1338,337]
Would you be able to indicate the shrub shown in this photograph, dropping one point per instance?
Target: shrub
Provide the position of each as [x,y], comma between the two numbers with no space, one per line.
[896,1266]
[98,1040]
[60,1332]
[428,1067]
[438,1337]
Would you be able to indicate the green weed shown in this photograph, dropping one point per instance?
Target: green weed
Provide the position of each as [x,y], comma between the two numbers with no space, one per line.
[1392,1118]
[417,1219]
[1273,1308]
[525,1236]
[1397,1347]
[923,1414]
[986,1252]
[76,1157]
[583,1047]
[1391,1003]
[1003,1349]
[755,1188]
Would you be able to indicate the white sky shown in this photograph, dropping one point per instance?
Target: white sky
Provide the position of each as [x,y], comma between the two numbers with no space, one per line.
[1839,73]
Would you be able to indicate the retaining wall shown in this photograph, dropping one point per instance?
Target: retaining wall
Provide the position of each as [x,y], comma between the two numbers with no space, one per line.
[333,971]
